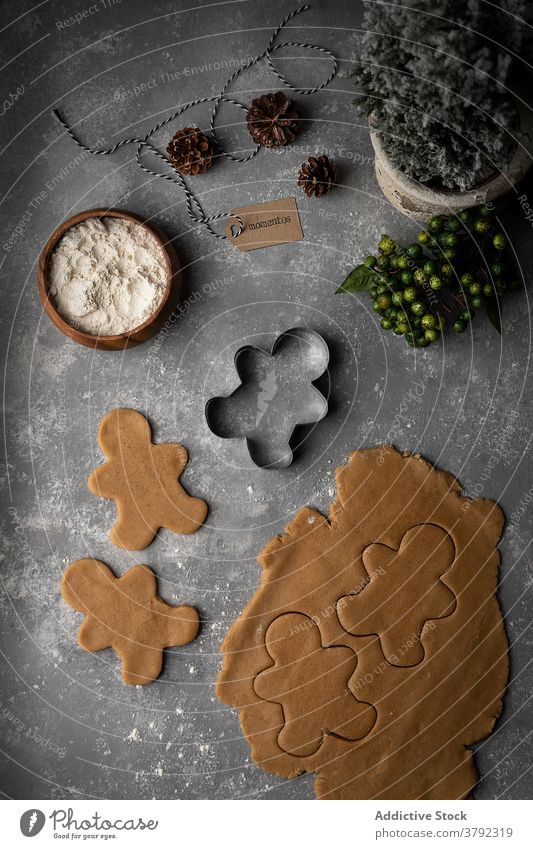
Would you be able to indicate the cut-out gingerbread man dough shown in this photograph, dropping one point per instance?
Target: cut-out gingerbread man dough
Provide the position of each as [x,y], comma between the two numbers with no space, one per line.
[127,615]
[276,394]
[311,684]
[142,478]
[404,590]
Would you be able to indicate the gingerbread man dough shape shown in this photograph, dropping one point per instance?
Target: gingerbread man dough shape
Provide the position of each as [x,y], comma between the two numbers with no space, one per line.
[311,684]
[404,591]
[142,478]
[127,615]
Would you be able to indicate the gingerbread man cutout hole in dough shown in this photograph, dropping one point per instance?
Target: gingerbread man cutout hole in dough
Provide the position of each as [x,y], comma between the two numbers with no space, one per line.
[404,590]
[127,615]
[142,478]
[310,682]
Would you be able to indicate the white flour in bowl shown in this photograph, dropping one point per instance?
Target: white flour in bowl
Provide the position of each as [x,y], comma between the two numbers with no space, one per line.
[107,275]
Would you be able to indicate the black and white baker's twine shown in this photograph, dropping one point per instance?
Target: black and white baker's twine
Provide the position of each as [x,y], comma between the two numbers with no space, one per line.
[144,144]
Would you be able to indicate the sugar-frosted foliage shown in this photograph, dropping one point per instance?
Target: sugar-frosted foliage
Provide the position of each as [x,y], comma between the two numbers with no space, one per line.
[433,77]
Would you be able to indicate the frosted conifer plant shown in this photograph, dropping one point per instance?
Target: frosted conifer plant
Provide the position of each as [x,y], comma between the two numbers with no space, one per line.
[433,78]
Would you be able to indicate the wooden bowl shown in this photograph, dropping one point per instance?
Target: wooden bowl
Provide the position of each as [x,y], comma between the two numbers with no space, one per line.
[139,334]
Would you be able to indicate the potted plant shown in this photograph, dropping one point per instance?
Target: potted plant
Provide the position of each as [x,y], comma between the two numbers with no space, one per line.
[447,132]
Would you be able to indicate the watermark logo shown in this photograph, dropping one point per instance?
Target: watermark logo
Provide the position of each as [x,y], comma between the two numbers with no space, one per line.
[32,822]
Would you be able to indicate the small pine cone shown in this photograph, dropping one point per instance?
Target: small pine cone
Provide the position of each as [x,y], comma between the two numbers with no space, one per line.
[273,120]
[317,175]
[190,152]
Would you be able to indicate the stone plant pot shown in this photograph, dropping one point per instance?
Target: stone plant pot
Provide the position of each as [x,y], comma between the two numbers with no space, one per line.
[420,201]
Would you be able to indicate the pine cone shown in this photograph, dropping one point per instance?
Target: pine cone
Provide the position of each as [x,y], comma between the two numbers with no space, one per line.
[190,151]
[317,175]
[273,120]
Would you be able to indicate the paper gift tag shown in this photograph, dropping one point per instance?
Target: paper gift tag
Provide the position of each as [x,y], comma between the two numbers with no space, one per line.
[266,224]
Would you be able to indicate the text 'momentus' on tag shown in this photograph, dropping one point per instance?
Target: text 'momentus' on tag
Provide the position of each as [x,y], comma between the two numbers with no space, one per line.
[266,224]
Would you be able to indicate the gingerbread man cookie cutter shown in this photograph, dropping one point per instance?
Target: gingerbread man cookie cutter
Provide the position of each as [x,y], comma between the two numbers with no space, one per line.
[276,394]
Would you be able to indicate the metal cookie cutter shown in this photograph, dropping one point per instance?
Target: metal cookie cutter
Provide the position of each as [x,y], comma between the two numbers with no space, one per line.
[275,395]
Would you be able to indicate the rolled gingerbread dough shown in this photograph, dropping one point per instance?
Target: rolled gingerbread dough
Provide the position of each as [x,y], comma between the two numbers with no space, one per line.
[404,574]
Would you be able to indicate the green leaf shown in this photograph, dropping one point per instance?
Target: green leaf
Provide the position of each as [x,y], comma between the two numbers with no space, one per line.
[493,310]
[361,279]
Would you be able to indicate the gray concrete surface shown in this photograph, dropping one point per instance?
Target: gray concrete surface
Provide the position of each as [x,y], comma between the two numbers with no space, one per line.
[69,727]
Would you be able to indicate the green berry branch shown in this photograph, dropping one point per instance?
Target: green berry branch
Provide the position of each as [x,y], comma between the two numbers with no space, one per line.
[459,265]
